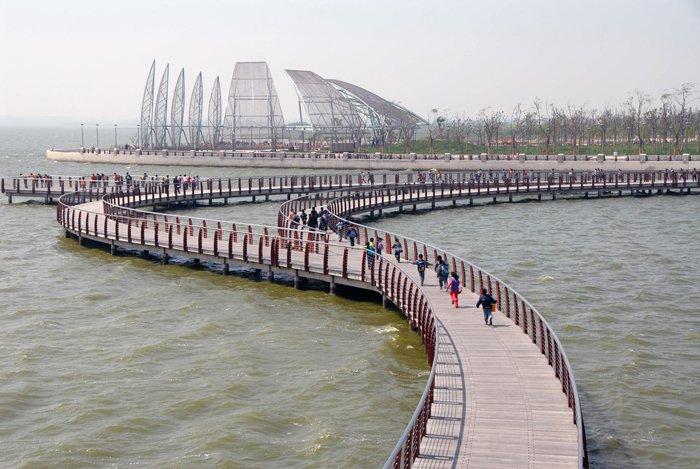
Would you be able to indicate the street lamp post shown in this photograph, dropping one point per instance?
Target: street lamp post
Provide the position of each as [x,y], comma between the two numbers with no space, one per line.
[97,132]
[138,134]
[82,137]
[115,135]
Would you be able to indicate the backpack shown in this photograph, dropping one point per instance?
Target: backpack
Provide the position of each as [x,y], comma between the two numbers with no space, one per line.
[352,233]
[443,270]
[421,266]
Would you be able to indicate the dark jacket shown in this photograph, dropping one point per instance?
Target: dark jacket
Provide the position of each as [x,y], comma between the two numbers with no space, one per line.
[486,301]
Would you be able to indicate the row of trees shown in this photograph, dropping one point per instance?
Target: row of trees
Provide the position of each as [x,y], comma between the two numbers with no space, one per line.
[634,122]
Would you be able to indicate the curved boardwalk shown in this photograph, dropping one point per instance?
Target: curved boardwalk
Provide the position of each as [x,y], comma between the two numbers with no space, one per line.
[497,397]
[496,402]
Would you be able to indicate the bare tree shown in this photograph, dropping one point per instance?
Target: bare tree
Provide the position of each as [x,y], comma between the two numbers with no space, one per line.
[590,126]
[458,126]
[436,127]
[675,113]
[604,121]
[634,117]
[517,121]
[407,129]
[652,119]
[469,126]
[557,118]
[696,127]
[575,121]
[544,123]
[491,123]
[530,120]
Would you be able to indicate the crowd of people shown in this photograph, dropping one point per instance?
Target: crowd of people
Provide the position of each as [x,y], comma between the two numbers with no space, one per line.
[315,219]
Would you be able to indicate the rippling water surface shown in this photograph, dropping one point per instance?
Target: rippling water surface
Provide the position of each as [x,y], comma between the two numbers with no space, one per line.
[119,361]
[115,361]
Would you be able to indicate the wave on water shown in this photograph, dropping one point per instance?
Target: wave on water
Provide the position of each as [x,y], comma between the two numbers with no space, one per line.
[385,329]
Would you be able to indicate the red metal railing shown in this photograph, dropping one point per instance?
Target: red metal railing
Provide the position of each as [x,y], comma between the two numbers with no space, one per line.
[396,286]
[338,194]
[511,303]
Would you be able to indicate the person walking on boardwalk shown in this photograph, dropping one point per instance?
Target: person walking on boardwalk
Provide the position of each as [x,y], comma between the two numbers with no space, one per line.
[323,223]
[370,253]
[398,249]
[442,271]
[695,174]
[313,220]
[352,234]
[379,246]
[454,288]
[339,229]
[422,264]
[485,301]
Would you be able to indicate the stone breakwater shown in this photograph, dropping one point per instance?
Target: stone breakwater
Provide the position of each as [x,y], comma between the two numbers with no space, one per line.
[372,162]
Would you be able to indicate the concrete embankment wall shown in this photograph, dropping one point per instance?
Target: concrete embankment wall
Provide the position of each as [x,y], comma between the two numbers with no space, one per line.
[441,162]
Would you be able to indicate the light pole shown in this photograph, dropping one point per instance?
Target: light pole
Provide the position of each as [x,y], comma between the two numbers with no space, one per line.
[138,134]
[82,137]
[97,132]
[115,135]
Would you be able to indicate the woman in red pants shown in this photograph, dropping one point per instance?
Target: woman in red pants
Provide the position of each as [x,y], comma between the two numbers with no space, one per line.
[453,288]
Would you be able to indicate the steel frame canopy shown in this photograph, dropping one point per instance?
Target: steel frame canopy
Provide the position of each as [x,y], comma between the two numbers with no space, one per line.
[253,110]
[385,112]
[329,111]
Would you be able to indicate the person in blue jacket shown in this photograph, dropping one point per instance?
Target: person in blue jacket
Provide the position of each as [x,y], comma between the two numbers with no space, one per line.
[485,301]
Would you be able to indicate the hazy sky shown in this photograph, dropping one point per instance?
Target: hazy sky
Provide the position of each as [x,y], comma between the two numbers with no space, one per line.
[87,61]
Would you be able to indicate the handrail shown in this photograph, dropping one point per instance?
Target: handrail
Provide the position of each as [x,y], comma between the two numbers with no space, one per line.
[350,199]
[328,181]
[325,154]
[554,351]
[418,309]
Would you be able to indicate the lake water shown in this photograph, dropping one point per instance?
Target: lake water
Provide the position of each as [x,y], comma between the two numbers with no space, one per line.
[109,361]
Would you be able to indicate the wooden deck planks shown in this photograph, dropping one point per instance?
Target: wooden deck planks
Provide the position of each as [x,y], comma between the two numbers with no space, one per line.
[497,402]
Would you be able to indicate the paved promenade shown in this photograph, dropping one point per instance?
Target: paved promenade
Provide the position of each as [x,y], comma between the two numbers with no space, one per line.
[371,162]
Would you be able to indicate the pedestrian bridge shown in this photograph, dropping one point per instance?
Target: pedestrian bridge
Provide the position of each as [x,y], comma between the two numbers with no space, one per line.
[500,396]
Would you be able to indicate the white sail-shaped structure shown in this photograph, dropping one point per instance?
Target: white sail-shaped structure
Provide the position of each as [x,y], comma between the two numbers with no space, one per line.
[147,107]
[177,113]
[214,116]
[253,112]
[161,112]
[196,108]
[252,116]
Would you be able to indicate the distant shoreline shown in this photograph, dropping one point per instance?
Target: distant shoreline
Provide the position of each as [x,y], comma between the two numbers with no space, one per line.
[366,161]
